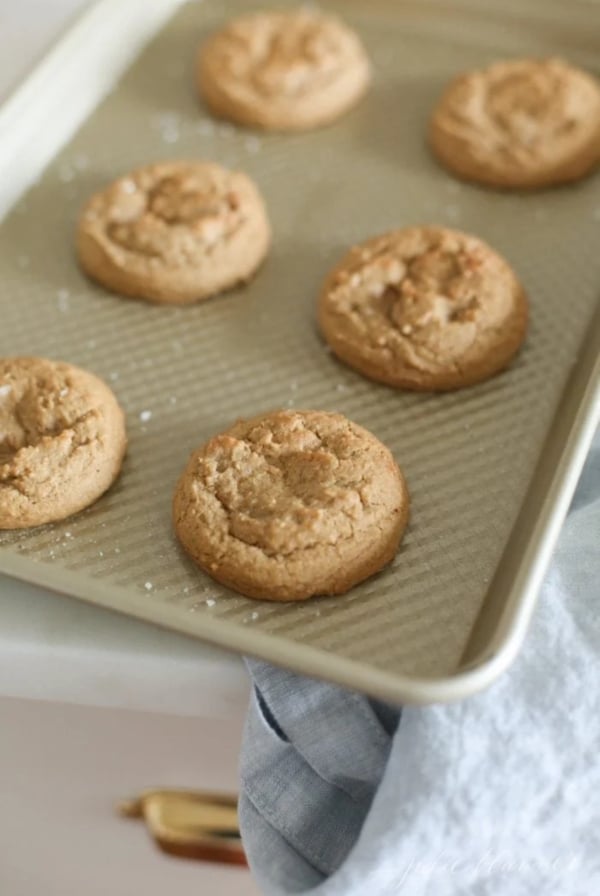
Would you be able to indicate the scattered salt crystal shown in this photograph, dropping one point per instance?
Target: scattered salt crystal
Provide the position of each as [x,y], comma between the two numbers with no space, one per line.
[101,553]
[117,550]
[66,174]
[127,185]
[168,123]
[63,392]
[166,119]
[81,162]
[63,299]
[145,416]
[186,590]
[452,211]
[205,128]
[5,390]
[341,387]
[254,616]
[68,535]
[148,586]
[253,144]
[210,602]
[173,399]
[114,376]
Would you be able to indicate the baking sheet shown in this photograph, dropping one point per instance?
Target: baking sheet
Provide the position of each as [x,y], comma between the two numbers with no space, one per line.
[182,374]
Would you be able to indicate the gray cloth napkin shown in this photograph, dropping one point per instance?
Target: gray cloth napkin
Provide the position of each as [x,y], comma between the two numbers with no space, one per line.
[496,796]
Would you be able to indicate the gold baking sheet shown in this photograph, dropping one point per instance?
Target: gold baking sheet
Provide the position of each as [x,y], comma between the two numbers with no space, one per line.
[184,374]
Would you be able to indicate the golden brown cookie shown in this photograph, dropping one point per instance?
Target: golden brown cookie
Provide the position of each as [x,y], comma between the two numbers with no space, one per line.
[291,504]
[283,71]
[62,440]
[174,232]
[524,123]
[424,308]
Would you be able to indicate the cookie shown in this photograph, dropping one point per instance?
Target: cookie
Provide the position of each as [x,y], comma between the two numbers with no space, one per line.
[62,440]
[524,123]
[424,308]
[283,71]
[291,504]
[174,232]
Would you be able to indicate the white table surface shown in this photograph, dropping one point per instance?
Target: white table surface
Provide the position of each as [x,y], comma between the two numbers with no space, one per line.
[56,648]
[27,30]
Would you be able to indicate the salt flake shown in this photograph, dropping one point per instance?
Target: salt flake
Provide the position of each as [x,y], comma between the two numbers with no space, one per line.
[253,144]
[63,299]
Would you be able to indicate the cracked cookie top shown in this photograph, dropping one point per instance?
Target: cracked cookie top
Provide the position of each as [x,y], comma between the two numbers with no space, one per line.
[424,308]
[520,123]
[62,440]
[283,70]
[174,231]
[291,504]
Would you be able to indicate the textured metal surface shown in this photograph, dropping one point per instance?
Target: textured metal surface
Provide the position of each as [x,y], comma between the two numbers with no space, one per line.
[183,374]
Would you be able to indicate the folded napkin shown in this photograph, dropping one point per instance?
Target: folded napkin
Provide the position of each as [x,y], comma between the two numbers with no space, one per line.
[496,796]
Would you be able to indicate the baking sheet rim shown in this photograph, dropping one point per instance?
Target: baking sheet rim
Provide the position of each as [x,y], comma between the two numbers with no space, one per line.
[23,108]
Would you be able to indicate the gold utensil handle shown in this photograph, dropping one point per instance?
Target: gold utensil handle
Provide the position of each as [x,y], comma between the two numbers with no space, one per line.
[190,824]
